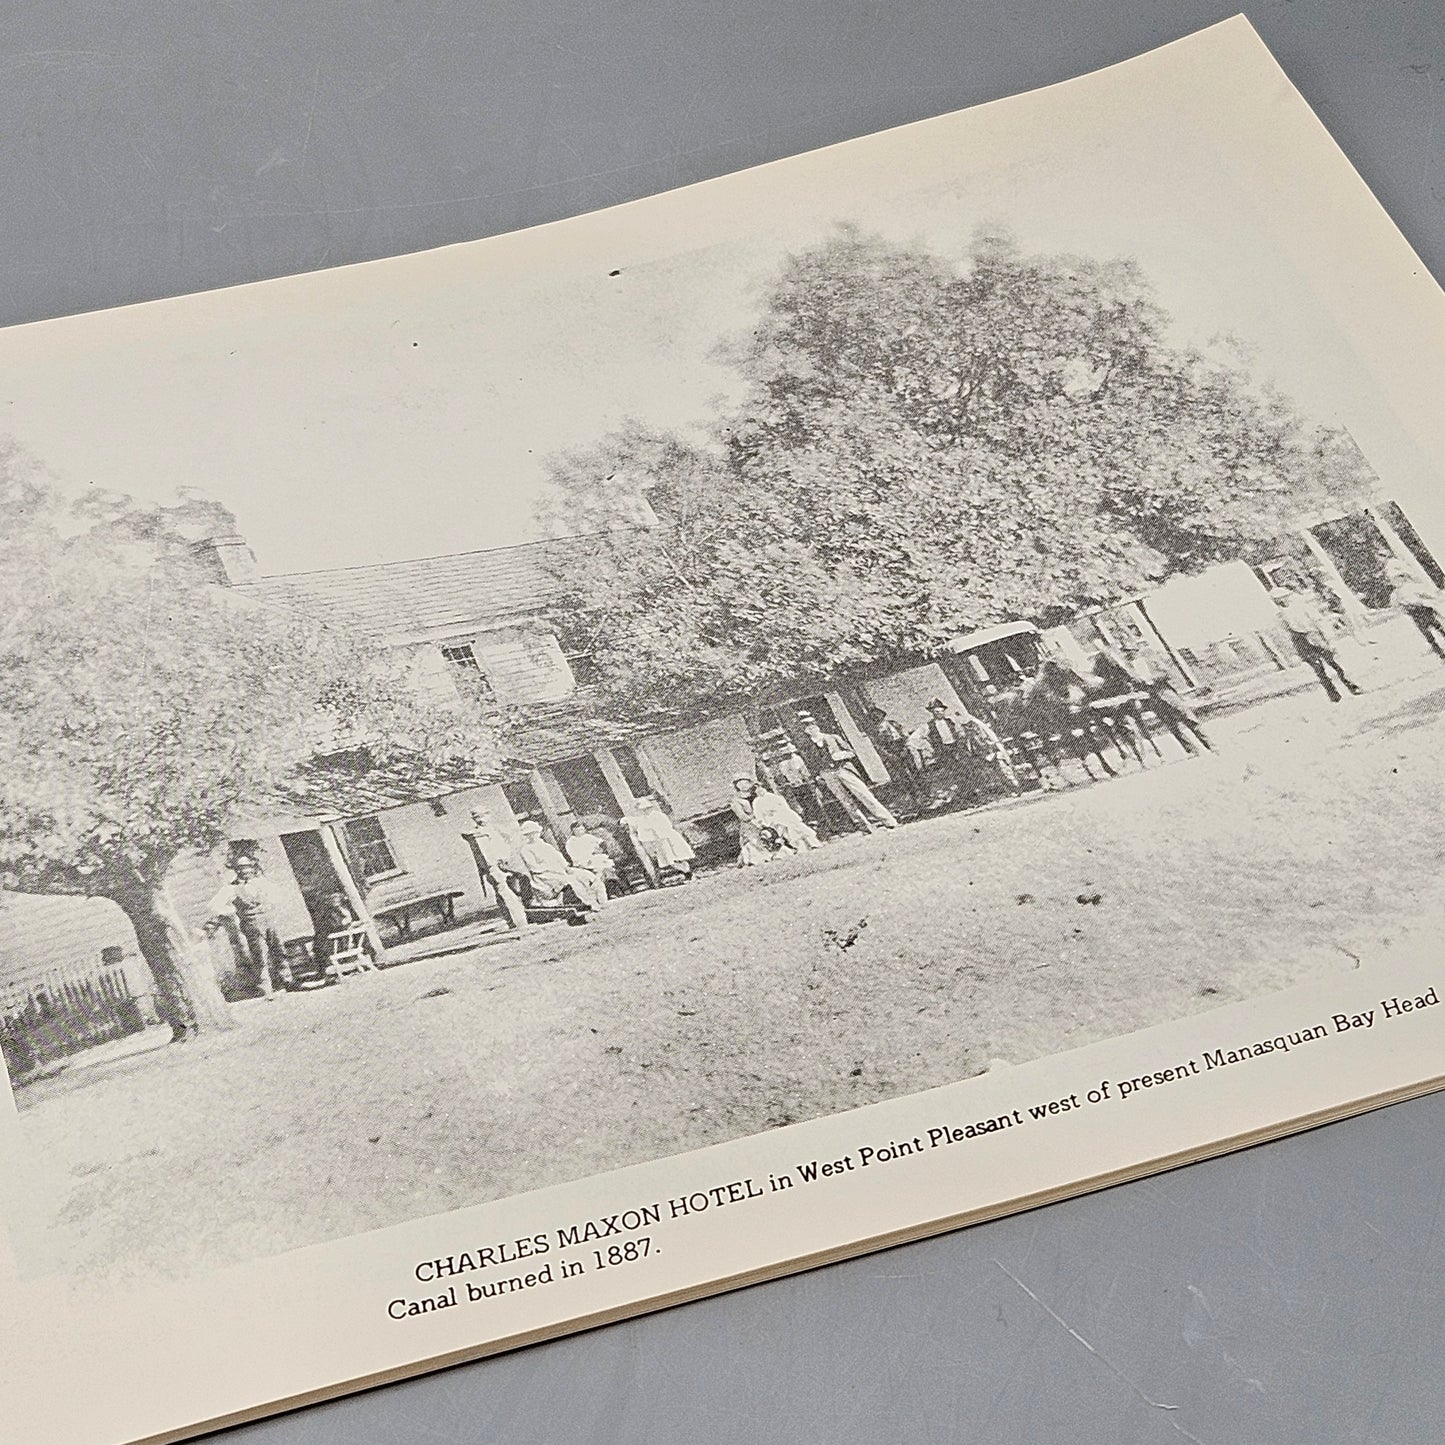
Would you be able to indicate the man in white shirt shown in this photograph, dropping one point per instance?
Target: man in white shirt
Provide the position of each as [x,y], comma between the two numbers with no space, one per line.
[835,765]
[1306,628]
[250,901]
[550,871]
[1421,601]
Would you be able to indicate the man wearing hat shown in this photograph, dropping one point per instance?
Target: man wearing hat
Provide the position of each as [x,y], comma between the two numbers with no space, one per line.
[250,901]
[1421,601]
[1307,631]
[551,872]
[835,765]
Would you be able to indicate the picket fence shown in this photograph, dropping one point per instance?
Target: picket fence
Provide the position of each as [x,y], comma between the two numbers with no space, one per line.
[66,1011]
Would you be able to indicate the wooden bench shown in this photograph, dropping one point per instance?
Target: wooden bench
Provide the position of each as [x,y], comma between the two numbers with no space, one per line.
[401,912]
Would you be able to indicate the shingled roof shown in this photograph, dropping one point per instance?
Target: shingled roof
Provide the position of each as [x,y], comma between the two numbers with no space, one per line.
[405,599]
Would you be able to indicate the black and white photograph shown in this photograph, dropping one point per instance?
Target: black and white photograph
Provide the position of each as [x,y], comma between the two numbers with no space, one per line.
[479,720]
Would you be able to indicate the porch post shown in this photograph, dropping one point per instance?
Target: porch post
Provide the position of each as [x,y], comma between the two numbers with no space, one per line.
[494,878]
[329,841]
[1190,680]
[1354,609]
[1396,544]
[858,740]
[553,800]
[621,793]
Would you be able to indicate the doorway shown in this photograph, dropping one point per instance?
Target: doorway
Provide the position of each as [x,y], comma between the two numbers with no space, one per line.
[316,875]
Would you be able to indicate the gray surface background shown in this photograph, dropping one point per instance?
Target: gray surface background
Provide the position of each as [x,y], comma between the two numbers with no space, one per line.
[1292,1293]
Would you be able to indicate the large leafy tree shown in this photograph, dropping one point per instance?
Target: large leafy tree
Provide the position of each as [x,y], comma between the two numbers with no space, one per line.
[923,447]
[143,709]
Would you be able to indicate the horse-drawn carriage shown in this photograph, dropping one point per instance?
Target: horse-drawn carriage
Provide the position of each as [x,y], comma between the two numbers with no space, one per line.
[1049,713]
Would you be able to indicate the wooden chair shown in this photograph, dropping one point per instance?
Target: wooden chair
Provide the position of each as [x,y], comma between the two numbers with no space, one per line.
[346,953]
[560,905]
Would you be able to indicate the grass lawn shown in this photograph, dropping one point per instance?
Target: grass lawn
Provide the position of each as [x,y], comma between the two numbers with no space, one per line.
[750,999]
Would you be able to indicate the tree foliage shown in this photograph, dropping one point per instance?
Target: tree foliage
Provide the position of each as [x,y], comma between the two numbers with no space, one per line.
[142,709]
[922,448]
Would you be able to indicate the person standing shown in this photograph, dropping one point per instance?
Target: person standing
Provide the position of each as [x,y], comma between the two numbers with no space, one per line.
[835,765]
[901,760]
[966,749]
[757,843]
[489,853]
[1306,628]
[251,902]
[766,824]
[660,839]
[1421,601]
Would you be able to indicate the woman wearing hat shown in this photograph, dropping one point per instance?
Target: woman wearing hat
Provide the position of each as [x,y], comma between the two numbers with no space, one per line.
[551,873]
[658,837]
[766,824]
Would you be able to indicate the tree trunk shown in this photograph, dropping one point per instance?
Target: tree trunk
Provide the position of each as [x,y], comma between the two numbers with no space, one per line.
[188,997]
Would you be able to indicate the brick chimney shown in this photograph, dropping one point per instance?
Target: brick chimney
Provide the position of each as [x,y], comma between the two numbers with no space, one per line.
[227,560]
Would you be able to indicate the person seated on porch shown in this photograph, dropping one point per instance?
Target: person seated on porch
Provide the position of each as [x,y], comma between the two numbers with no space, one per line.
[766,824]
[658,837]
[552,875]
[787,775]
[585,850]
[332,915]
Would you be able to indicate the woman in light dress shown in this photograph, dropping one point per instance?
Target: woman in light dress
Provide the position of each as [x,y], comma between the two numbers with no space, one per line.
[766,824]
[658,837]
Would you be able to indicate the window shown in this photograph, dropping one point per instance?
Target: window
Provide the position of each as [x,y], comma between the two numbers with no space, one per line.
[367,843]
[467,672]
[522,800]
[461,655]
[585,671]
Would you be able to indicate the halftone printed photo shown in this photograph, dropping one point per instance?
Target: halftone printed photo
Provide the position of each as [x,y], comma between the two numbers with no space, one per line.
[548,777]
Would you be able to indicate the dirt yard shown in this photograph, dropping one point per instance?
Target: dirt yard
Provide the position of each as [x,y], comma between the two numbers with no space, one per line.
[751,999]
